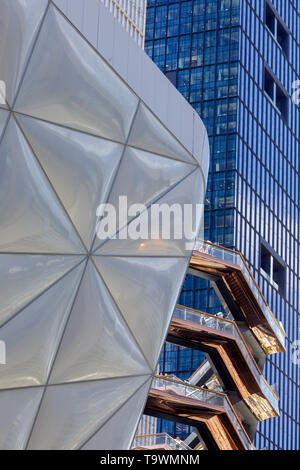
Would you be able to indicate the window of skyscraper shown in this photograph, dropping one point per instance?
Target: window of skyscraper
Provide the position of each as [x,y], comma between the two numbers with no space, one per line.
[276,93]
[269,85]
[253,184]
[270,18]
[272,269]
[277,28]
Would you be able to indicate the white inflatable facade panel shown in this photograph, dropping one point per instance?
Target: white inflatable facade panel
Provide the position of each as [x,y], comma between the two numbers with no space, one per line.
[83,320]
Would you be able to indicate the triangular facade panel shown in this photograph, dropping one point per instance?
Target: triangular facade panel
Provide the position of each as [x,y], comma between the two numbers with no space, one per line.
[175,238]
[97,343]
[145,290]
[129,413]
[32,337]
[143,178]
[80,167]
[72,413]
[81,320]
[71,85]
[25,277]
[18,409]
[19,25]
[31,218]
[149,134]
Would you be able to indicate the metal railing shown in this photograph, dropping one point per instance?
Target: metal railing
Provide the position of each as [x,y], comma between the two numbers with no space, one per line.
[202,370]
[159,440]
[237,259]
[211,383]
[204,395]
[228,326]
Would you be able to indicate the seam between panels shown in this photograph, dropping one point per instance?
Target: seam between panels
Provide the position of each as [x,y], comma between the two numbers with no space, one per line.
[193,150]
[114,413]
[139,256]
[183,277]
[84,257]
[176,302]
[98,23]
[91,134]
[74,382]
[122,79]
[154,201]
[4,106]
[119,166]
[124,320]
[54,358]
[9,114]
[50,183]
[200,167]
[191,155]
[30,55]
[142,412]
[40,253]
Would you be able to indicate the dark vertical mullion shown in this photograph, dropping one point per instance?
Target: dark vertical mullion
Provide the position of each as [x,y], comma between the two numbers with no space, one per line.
[166,36]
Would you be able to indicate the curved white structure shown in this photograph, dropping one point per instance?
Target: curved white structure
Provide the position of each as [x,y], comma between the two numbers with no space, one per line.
[84,320]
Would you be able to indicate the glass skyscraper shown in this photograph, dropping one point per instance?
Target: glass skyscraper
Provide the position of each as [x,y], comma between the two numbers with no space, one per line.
[235,61]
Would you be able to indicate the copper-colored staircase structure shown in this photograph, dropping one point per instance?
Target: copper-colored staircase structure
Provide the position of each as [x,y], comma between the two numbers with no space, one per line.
[209,411]
[222,339]
[233,390]
[161,441]
[228,267]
